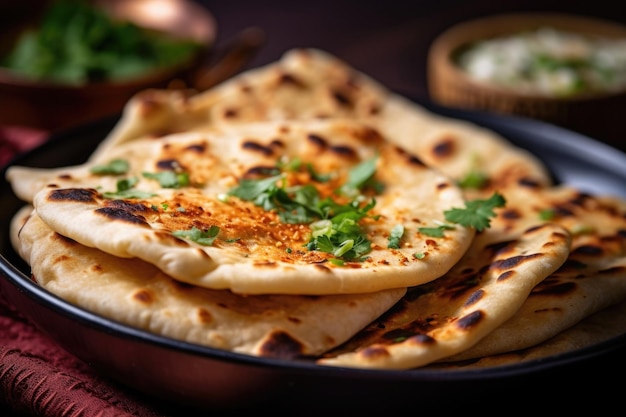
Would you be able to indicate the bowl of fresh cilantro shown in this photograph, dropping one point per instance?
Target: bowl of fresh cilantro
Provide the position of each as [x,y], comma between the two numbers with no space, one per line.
[77,61]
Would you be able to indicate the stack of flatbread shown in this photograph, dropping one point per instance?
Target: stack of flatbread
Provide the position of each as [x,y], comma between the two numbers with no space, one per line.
[302,210]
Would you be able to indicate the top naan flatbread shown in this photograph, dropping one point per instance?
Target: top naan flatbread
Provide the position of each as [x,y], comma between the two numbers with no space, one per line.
[256,251]
[309,84]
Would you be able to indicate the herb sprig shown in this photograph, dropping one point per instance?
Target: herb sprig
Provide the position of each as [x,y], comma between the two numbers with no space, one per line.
[335,226]
[476,214]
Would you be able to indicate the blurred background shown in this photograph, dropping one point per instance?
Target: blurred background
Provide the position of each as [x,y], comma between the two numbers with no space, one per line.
[389,40]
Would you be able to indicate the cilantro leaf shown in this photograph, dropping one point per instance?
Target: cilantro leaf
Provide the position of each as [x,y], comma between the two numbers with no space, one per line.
[395,236]
[431,231]
[474,179]
[477,213]
[125,190]
[169,179]
[113,167]
[361,176]
[202,237]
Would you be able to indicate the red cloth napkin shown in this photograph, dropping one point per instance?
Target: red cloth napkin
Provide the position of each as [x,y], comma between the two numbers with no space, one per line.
[17,139]
[37,376]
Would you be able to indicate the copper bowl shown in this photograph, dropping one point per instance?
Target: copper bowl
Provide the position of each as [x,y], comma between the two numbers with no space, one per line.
[598,114]
[52,106]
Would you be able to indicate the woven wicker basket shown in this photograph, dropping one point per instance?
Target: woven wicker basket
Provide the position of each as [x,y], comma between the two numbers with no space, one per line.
[598,115]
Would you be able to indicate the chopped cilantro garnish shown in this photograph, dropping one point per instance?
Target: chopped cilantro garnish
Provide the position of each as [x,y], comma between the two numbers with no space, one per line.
[169,179]
[432,231]
[474,179]
[547,214]
[395,236]
[361,176]
[202,237]
[113,167]
[334,226]
[477,213]
[125,190]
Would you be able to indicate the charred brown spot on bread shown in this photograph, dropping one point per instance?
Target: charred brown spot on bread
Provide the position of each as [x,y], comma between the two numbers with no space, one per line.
[65,177]
[317,140]
[446,147]
[254,146]
[528,183]
[231,113]
[411,158]
[61,258]
[534,229]
[414,160]
[514,261]
[81,195]
[281,345]
[277,143]
[342,98]
[197,147]
[505,275]
[374,109]
[168,164]
[204,316]
[421,339]
[114,213]
[374,353]
[295,320]
[369,135]
[510,214]
[143,296]
[97,268]
[127,206]
[470,320]
[265,264]
[322,268]
[474,298]
[288,79]
[344,151]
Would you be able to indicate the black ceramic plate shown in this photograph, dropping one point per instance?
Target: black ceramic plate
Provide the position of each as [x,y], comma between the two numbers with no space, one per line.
[212,379]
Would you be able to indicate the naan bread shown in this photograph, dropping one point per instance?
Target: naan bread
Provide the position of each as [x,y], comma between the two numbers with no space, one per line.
[600,327]
[136,293]
[424,326]
[257,252]
[593,277]
[506,289]
[449,315]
